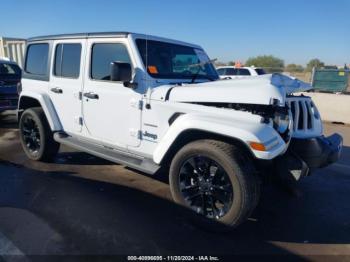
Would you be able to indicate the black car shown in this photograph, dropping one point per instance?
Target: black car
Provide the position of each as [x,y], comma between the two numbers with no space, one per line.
[10,81]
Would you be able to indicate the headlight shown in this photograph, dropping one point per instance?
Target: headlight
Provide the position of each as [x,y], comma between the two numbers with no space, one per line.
[281,122]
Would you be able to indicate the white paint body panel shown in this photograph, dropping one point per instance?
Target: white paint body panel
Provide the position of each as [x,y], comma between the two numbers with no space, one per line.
[38,91]
[245,131]
[243,91]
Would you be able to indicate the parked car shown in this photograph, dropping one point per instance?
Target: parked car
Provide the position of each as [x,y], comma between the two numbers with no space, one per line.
[10,80]
[153,104]
[227,72]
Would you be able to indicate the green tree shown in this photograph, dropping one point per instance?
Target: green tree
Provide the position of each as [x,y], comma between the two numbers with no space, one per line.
[317,63]
[293,68]
[270,63]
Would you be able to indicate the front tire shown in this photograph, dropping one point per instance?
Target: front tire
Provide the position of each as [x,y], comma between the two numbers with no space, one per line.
[36,135]
[216,180]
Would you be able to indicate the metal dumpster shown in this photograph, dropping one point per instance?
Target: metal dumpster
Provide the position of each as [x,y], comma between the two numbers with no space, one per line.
[330,80]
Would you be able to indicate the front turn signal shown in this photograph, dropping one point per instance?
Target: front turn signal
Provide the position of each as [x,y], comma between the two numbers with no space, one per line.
[257,146]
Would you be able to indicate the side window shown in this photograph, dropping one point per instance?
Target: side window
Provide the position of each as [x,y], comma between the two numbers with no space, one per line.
[243,72]
[221,71]
[36,59]
[231,71]
[103,55]
[67,60]
[260,71]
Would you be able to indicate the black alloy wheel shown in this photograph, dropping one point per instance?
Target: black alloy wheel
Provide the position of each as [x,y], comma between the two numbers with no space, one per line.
[206,187]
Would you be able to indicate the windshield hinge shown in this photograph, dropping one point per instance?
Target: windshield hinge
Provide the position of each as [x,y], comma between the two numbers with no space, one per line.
[140,104]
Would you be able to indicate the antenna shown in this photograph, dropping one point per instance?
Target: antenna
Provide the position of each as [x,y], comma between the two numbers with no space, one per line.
[147,59]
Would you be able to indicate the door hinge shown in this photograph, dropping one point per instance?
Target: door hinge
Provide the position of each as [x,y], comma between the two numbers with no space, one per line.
[140,104]
[135,133]
[136,103]
[81,121]
[80,95]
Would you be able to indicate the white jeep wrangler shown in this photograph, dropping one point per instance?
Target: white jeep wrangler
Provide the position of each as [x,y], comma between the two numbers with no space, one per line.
[149,102]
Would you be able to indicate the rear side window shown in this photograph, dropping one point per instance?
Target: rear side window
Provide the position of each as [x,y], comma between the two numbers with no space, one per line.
[221,71]
[260,71]
[102,57]
[243,72]
[37,59]
[231,71]
[67,60]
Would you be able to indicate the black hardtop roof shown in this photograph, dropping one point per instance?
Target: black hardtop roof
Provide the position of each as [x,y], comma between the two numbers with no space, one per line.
[79,35]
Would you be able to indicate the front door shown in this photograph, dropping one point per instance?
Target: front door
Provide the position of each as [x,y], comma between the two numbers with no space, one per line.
[66,82]
[111,111]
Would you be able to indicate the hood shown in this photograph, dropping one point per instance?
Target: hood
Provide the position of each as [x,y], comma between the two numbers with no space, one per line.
[289,83]
[259,90]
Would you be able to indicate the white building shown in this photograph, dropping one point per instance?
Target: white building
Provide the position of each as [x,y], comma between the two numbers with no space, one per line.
[12,49]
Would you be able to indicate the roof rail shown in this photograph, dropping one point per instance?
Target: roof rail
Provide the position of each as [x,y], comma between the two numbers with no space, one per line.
[80,35]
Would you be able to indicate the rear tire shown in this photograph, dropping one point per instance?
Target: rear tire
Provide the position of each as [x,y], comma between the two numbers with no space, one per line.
[229,168]
[36,135]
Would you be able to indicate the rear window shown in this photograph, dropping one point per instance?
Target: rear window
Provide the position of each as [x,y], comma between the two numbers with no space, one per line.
[9,70]
[37,59]
[260,71]
[67,60]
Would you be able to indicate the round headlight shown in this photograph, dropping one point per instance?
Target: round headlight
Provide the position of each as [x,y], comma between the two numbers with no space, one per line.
[281,122]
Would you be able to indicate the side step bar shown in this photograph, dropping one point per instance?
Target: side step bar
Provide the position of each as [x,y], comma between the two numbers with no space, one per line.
[142,164]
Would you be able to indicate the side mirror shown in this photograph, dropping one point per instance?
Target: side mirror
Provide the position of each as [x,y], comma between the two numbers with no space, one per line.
[121,72]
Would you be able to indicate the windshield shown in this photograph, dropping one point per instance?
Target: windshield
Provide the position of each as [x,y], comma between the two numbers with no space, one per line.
[9,70]
[172,61]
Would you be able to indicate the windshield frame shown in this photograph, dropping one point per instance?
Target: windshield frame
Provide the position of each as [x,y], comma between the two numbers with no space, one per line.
[173,76]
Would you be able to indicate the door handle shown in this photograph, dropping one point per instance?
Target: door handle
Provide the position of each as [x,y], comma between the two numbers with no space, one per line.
[91,95]
[57,90]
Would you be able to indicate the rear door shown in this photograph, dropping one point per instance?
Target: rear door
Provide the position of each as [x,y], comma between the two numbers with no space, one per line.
[66,82]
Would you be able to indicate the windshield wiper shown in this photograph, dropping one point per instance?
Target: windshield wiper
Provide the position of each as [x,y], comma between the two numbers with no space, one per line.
[202,63]
[195,76]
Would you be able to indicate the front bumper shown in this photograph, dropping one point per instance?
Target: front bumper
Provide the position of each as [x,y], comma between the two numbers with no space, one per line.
[318,152]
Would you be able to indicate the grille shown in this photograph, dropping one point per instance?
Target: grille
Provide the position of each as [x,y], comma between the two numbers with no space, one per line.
[305,114]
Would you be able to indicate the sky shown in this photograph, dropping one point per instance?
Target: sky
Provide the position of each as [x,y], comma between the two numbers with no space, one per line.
[230,30]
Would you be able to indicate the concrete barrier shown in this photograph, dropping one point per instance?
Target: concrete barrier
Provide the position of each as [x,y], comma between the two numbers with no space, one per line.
[332,107]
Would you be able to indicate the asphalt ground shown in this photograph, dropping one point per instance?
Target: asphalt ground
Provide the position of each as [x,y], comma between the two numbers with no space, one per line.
[83,205]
